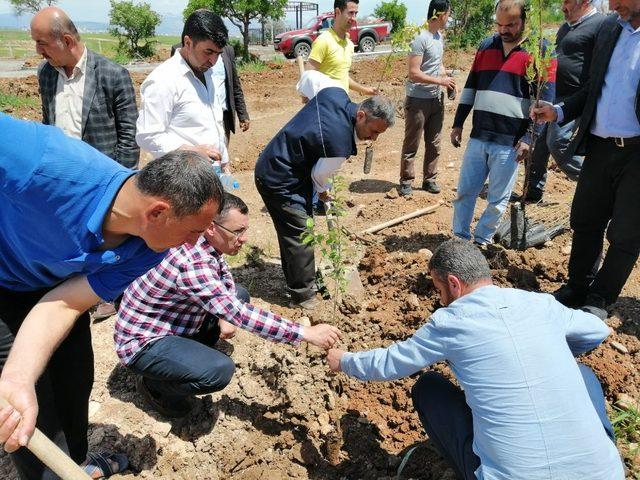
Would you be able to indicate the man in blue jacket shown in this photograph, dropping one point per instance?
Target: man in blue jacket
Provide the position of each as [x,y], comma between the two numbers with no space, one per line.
[303,155]
[76,227]
[527,408]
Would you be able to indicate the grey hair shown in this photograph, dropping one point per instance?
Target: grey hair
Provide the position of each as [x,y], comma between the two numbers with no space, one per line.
[183,178]
[461,259]
[379,107]
[61,24]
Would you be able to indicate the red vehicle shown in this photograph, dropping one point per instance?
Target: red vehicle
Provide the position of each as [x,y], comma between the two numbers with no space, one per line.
[297,43]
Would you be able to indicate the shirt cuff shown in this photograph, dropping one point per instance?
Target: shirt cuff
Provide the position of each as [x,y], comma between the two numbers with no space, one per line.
[559,113]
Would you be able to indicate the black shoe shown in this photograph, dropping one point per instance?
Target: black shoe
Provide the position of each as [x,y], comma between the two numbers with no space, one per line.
[320,209]
[169,408]
[570,296]
[430,186]
[405,190]
[595,305]
[531,197]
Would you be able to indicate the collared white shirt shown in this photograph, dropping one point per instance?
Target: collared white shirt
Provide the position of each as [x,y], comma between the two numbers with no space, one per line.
[178,109]
[69,97]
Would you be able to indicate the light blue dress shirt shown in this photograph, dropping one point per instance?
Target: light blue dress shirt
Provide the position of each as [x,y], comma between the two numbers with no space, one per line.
[615,111]
[219,77]
[513,353]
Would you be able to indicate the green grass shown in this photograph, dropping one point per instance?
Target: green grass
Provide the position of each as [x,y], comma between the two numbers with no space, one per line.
[626,425]
[252,66]
[23,46]
[8,100]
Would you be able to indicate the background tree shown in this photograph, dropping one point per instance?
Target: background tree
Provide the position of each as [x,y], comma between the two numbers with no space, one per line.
[393,11]
[471,22]
[30,6]
[240,13]
[131,24]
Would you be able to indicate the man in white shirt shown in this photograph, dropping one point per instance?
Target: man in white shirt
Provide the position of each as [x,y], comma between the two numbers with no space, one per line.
[180,108]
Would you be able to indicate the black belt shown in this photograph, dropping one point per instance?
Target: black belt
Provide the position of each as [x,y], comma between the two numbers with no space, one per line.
[620,142]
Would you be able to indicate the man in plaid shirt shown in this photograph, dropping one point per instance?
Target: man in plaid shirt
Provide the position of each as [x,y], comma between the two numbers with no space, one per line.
[171,317]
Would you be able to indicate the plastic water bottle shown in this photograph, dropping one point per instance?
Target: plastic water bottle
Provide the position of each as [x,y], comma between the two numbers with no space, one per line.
[228,182]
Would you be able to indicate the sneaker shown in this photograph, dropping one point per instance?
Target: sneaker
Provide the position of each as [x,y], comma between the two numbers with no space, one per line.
[596,305]
[171,408]
[405,190]
[430,186]
[571,296]
[308,304]
[104,310]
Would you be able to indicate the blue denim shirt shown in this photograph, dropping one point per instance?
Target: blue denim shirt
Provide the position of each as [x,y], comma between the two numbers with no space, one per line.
[513,353]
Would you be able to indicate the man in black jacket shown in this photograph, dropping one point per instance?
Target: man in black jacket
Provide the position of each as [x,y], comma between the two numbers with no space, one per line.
[606,197]
[574,47]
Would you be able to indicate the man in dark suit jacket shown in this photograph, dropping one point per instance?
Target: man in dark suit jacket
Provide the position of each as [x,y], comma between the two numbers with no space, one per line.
[301,158]
[606,197]
[236,105]
[85,94]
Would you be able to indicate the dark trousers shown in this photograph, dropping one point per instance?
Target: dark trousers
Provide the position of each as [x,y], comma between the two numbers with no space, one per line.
[177,367]
[298,262]
[606,199]
[448,421]
[63,389]
[423,118]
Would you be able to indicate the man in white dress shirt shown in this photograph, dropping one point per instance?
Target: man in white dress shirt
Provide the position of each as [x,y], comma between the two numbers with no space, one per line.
[180,109]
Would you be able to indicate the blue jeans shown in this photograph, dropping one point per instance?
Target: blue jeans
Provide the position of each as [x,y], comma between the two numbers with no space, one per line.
[448,421]
[483,160]
[178,367]
[555,140]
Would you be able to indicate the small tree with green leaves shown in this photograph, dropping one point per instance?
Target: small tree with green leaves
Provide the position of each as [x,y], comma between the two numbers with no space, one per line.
[471,22]
[334,244]
[30,6]
[132,24]
[393,11]
[240,13]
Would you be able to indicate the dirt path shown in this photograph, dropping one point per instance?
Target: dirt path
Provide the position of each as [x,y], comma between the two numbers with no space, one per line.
[278,417]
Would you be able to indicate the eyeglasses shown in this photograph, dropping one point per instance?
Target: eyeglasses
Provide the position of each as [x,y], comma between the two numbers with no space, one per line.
[236,233]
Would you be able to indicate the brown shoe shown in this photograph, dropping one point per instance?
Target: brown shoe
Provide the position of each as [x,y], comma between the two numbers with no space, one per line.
[104,310]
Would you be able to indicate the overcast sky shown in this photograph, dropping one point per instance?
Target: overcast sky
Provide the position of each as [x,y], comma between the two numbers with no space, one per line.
[98,10]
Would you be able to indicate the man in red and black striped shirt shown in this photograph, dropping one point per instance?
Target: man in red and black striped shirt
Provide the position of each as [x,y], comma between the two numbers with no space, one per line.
[499,93]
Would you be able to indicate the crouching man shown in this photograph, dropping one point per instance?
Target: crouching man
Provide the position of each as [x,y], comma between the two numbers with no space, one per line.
[528,409]
[171,317]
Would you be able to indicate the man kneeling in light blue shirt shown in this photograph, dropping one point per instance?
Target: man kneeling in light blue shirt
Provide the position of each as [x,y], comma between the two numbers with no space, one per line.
[528,409]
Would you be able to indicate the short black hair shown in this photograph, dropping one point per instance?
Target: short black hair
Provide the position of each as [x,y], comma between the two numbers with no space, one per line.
[183,178]
[232,202]
[438,7]
[203,24]
[341,4]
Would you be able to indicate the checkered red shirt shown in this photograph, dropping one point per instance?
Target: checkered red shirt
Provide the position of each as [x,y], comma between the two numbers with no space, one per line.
[175,297]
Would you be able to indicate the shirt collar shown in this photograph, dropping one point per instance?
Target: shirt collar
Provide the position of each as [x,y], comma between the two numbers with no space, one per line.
[183,66]
[627,26]
[591,13]
[79,69]
[337,37]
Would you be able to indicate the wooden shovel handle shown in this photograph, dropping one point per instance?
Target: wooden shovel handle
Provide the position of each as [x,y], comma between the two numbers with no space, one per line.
[51,455]
[300,61]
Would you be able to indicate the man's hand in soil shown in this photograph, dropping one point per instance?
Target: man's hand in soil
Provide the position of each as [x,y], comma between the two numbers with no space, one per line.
[456,136]
[322,335]
[208,151]
[17,420]
[333,357]
[522,150]
[543,113]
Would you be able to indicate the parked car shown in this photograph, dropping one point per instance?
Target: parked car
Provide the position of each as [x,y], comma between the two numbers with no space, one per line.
[297,43]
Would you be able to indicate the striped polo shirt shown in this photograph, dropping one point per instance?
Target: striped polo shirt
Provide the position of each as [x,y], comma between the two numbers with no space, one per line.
[498,92]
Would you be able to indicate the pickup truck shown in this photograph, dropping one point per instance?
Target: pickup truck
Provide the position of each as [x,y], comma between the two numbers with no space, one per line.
[297,43]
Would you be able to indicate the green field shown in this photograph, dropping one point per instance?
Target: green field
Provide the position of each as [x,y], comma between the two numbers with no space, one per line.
[18,43]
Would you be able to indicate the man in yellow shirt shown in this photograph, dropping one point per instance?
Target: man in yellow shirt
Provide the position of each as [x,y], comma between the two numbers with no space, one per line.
[332,51]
